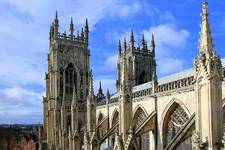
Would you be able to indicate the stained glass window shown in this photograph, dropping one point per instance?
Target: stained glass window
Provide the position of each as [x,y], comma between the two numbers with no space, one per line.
[140,117]
[70,79]
[176,121]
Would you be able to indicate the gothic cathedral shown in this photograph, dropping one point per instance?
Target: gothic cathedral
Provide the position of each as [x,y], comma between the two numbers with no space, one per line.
[182,111]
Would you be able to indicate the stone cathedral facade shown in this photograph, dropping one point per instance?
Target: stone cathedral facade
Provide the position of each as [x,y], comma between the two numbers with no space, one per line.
[182,111]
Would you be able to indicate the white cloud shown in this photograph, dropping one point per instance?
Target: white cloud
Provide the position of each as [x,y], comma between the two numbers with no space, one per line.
[167,35]
[111,61]
[19,105]
[168,38]
[24,43]
[125,10]
[170,65]
[16,70]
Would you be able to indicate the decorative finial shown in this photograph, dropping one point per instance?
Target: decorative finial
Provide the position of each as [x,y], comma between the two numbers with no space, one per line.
[153,45]
[125,44]
[100,87]
[82,33]
[56,15]
[108,94]
[71,27]
[131,39]
[205,7]
[86,32]
[56,19]
[119,48]
[206,42]
[143,42]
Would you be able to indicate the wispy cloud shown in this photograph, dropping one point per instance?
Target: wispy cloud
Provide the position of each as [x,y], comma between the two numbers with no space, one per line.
[169,65]
[169,41]
[125,10]
[19,105]
[24,46]
[167,37]
[111,61]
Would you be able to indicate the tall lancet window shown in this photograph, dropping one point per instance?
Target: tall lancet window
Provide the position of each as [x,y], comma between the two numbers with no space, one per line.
[70,78]
[176,120]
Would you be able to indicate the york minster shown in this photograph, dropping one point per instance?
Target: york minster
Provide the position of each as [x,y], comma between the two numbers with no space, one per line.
[181,111]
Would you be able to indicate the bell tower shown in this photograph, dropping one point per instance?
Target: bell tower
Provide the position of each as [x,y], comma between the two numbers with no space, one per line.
[208,90]
[66,85]
[141,60]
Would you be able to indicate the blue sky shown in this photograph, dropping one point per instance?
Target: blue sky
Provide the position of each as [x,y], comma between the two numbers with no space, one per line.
[24,27]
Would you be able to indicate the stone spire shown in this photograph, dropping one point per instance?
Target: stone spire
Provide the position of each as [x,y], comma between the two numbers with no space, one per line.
[125,44]
[100,87]
[131,40]
[71,27]
[205,41]
[82,33]
[143,42]
[91,106]
[56,25]
[208,90]
[108,94]
[56,21]
[86,31]
[153,45]
[100,94]
[119,49]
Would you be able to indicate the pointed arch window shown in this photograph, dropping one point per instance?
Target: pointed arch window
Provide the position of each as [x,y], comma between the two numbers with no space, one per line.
[143,78]
[70,78]
[176,119]
[139,117]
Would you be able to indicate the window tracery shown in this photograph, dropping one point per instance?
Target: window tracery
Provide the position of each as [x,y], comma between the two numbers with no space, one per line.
[142,116]
[70,79]
[176,121]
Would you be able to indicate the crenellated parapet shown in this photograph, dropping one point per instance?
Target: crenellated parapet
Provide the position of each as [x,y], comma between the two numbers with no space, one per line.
[80,38]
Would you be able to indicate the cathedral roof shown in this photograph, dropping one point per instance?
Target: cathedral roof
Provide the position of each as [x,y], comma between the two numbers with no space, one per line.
[163,80]
[170,78]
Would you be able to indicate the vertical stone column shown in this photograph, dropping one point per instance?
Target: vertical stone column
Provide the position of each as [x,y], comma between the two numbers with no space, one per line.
[151,141]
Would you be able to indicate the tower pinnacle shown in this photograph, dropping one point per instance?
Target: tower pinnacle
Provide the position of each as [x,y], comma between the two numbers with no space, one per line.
[56,19]
[153,45]
[143,42]
[86,31]
[205,41]
[125,44]
[119,48]
[71,27]
[108,94]
[131,40]
[100,87]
